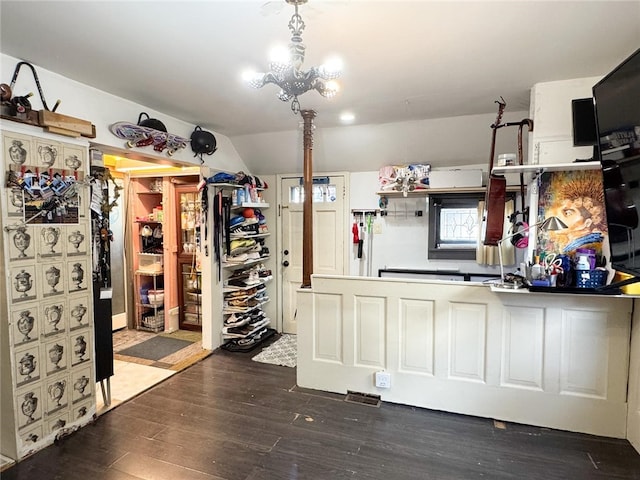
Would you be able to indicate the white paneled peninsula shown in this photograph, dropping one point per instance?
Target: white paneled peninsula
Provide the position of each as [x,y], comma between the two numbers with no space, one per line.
[554,360]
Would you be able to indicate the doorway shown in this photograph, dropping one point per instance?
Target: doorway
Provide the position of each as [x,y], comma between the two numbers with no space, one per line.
[329,217]
[176,253]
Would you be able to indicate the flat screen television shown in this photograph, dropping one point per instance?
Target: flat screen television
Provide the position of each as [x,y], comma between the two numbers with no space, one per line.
[617,108]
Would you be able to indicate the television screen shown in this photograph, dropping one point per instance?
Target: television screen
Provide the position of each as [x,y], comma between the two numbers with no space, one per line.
[617,108]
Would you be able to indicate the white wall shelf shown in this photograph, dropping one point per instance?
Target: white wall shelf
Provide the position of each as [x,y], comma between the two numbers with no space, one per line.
[551,167]
[431,191]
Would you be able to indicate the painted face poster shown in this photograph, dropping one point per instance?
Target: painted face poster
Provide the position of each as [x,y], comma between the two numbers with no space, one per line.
[576,198]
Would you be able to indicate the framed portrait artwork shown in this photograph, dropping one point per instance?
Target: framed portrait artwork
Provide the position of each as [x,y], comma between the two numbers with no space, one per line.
[576,198]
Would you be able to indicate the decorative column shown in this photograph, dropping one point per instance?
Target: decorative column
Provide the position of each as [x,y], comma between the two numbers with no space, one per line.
[307,207]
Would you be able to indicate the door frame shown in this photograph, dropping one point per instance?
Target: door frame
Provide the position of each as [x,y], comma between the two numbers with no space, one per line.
[279,239]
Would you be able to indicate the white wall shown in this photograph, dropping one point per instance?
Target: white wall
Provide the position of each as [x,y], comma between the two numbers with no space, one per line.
[103,109]
[550,107]
[403,238]
[442,142]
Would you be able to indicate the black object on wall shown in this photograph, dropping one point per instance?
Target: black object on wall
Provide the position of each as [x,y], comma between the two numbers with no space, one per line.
[585,132]
[103,334]
[102,312]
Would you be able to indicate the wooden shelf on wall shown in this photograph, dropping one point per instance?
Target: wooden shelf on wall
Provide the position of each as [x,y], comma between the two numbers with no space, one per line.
[430,191]
[551,167]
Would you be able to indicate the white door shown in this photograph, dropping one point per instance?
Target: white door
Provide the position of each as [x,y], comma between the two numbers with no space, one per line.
[328,236]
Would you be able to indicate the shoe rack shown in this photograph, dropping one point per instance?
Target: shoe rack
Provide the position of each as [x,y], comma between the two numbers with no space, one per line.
[245,278]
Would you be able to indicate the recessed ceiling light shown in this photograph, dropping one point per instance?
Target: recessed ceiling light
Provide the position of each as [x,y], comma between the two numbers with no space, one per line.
[347,117]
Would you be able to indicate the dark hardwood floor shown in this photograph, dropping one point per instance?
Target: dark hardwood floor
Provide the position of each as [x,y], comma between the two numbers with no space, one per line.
[230,418]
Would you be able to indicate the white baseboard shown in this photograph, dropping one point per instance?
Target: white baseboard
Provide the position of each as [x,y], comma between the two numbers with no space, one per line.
[119,321]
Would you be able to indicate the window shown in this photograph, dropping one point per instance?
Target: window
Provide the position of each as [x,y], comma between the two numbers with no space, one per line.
[454,226]
[323,192]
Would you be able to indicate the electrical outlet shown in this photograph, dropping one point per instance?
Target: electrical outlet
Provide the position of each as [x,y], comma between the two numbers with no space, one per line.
[377,228]
[383,379]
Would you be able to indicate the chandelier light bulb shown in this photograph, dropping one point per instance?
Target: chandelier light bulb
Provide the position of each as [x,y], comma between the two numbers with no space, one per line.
[249,76]
[347,117]
[279,54]
[330,89]
[331,69]
[253,79]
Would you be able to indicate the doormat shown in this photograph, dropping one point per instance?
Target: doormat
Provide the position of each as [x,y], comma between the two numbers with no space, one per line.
[155,348]
[283,351]
[190,336]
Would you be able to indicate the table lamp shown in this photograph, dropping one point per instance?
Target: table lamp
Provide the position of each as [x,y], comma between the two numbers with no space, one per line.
[546,225]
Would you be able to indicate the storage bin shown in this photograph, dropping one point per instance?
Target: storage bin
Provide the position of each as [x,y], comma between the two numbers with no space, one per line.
[156,297]
[154,323]
[150,262]
[591,278]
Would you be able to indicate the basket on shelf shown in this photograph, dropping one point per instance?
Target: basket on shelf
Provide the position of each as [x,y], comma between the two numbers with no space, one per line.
[154,323]
[591,278]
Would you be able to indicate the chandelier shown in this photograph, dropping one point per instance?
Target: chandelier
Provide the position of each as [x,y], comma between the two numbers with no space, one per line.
[288,73]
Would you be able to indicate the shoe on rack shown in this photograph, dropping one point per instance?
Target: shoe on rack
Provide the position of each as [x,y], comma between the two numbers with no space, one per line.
[239,258]
[236,221]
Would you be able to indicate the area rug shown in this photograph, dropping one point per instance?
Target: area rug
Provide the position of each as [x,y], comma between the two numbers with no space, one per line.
[190,336]
[283,351]
[155,348]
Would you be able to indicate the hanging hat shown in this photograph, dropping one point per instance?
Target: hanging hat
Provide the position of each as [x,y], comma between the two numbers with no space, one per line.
[203,142]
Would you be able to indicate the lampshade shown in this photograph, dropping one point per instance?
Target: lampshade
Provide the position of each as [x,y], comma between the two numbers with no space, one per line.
[547,225]
[552,224]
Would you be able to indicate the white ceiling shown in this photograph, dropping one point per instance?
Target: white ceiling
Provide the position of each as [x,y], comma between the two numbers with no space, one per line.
[404,60]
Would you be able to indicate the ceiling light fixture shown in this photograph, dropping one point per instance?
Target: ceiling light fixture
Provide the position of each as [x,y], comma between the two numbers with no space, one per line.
[347,117]
[288,73]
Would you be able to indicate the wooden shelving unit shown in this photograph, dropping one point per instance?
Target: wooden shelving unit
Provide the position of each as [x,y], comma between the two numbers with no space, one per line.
[148,242]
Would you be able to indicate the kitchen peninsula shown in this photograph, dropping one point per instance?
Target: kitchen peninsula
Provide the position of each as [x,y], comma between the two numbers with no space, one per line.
[554,360]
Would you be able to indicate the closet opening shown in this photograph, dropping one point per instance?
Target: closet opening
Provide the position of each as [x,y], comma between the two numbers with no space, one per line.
[154,273]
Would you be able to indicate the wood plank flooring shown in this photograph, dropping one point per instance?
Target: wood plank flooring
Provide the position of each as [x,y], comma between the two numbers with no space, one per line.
[229,418]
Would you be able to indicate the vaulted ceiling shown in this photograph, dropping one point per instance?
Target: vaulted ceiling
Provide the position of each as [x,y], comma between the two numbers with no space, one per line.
[403,60]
